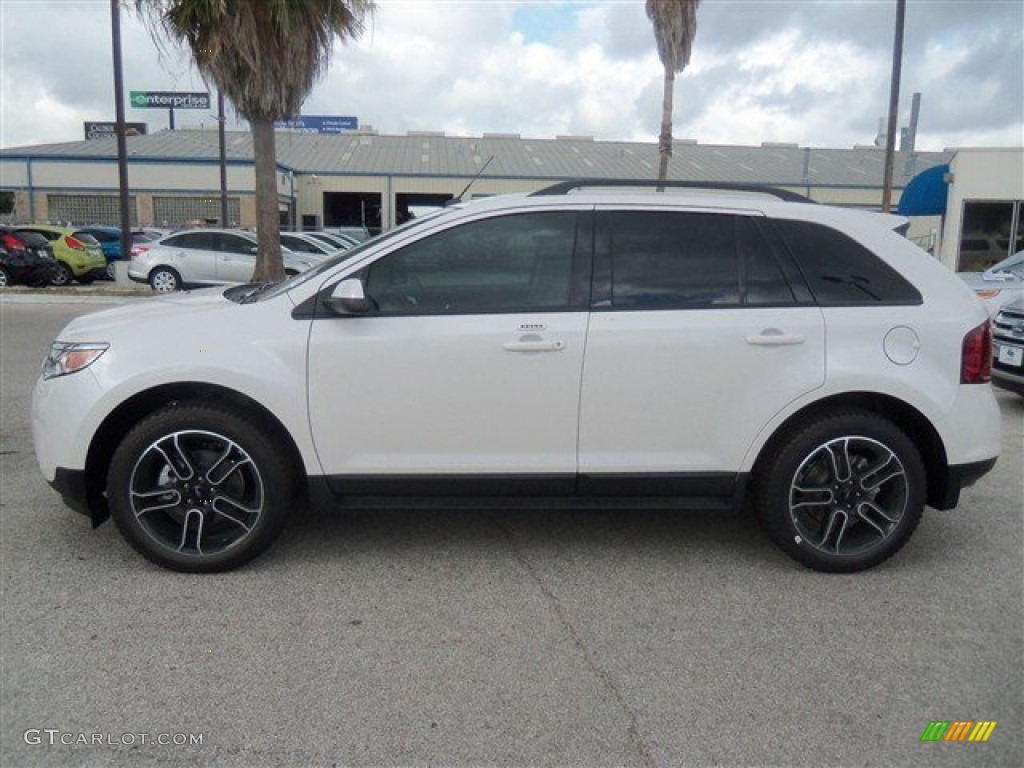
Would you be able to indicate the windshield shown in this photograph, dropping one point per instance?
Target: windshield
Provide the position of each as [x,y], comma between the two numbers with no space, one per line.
[269,290]
[1012,264]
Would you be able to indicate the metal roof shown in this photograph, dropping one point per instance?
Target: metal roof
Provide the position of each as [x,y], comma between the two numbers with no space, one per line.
[433,154]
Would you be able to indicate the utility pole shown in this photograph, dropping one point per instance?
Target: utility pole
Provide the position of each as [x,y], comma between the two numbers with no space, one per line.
[122,142]
[894,105]
[223,161]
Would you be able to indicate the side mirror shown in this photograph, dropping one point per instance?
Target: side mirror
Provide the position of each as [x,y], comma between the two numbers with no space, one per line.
[348,298]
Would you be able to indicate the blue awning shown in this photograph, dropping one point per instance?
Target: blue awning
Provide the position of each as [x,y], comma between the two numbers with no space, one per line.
[926,193]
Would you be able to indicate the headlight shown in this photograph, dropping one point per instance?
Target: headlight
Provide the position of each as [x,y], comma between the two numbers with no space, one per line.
[70,357]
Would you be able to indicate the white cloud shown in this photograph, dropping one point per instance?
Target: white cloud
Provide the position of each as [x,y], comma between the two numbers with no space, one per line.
[816,74]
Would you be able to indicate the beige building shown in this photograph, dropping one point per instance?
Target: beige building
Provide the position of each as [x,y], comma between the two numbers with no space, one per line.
[370,180]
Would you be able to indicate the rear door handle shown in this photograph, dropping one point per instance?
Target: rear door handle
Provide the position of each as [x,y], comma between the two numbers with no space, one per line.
[534,346]
[773,337]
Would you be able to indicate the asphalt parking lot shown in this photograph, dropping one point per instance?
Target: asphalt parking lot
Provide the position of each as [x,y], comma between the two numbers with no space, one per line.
[472,637]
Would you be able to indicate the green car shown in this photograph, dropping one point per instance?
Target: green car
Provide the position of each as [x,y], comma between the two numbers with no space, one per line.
[79,255]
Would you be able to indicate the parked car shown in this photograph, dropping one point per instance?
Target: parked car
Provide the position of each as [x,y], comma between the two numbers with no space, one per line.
[79,257]
[109,239]
[340,242]
[202,257]
[1008,347]
[1000,284]
[301,242]
[569,345]
[25,258]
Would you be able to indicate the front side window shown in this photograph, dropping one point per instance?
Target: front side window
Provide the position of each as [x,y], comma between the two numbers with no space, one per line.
[195,240]
[232,244]
[299,245]
[672,260]
[520,262]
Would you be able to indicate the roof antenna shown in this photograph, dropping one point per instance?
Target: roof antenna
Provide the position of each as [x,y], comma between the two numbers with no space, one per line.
[472,181]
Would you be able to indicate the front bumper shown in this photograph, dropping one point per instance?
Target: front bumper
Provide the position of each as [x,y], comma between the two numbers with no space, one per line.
[1004,375]
[71,485]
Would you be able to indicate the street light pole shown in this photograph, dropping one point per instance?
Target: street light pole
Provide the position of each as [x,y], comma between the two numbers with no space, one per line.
[894,104]
[122,142]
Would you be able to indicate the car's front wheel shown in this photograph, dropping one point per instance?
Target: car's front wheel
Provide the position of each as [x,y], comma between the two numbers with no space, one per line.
[842,493]
[199,488]
[165,280]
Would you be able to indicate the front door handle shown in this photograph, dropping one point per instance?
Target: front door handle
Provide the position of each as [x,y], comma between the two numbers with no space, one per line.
[773,337]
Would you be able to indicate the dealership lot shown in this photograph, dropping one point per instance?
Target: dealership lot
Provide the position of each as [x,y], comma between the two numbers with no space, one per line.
[501,636]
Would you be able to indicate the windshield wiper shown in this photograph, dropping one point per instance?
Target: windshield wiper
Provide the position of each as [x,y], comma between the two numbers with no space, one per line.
[250,295]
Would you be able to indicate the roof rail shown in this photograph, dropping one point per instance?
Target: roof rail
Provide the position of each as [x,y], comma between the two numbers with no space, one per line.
[564,187]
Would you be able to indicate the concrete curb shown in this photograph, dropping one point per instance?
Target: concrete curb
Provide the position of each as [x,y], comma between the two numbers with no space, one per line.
[73,295]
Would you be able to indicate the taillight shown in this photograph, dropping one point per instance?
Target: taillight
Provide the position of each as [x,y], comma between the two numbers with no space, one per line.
[138,250]
[976,355]
[72,242]
[12,243]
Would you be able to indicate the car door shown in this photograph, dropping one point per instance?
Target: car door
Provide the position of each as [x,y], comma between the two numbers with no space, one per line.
[236,257]
[468,366]
[191,254]
[701,333]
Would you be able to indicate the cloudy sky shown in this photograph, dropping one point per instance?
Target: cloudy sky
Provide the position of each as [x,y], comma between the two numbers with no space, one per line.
[814,72]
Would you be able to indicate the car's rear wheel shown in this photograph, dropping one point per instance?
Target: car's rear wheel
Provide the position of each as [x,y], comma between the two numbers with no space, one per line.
[111,274]
[62,275]
[843,493]
[199,488]
[164,280]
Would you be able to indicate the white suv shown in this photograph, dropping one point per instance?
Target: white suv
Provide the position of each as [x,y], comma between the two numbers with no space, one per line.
[706,346]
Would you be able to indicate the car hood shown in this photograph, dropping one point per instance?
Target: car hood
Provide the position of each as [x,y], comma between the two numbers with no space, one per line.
[145,313]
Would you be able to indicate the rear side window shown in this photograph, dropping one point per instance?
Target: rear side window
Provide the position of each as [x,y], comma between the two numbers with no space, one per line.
[670,260]
[840,271]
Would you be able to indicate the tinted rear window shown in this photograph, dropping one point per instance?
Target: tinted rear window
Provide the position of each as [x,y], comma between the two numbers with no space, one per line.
[840,271]
[31,239]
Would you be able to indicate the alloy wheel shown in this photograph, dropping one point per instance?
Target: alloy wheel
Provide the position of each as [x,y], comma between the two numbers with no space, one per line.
[196,493]
[848,495]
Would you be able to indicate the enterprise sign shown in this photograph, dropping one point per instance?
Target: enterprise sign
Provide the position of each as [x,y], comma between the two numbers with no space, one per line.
[169,100]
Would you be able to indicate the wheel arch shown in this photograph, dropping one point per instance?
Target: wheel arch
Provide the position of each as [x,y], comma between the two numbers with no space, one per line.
[914,423]
[122,419]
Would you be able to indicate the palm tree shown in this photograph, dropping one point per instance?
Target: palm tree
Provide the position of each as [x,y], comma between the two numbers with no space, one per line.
[264,55]
[675,26]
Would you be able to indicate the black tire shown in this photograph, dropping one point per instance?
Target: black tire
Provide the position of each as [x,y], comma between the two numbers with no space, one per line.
[62,275]
[199,488]
[86,279]
[5,278]
[842,493]
[164,280]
